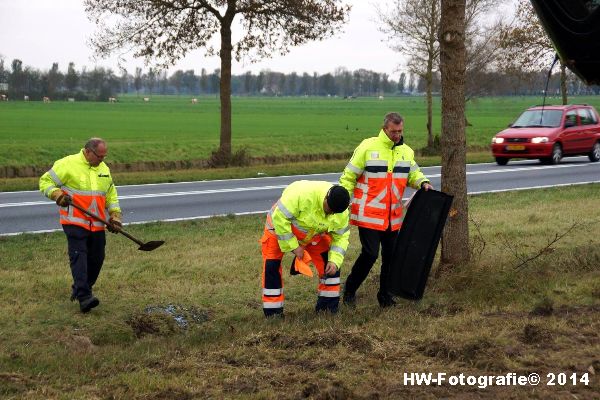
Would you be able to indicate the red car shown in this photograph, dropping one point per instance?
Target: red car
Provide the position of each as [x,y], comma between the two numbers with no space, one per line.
[549,133]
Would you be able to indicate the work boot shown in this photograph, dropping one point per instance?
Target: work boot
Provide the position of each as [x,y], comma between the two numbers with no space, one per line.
[275,313]
[349,299]
[87,303]
[385,300]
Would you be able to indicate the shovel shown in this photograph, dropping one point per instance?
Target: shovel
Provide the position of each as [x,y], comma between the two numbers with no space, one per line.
[149,246]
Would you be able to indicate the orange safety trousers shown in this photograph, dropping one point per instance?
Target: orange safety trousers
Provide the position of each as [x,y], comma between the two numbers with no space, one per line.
[272,280]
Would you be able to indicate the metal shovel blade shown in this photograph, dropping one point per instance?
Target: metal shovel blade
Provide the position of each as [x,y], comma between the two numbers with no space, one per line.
[151,245]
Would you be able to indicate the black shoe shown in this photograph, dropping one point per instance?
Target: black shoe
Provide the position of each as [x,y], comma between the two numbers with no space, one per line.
[87,303]
[385,300]
[349,299]
[274,313]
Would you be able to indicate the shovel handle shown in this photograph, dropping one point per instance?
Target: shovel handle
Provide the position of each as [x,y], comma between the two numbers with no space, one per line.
[105,222]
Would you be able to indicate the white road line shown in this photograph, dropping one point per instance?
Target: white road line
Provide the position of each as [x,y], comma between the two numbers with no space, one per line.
[153,195]
[529,167]
[272,187]
[265,211]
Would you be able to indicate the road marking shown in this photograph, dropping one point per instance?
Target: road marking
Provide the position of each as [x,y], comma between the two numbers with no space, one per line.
[529,167]
[265,211]
[153,195]
[274,187]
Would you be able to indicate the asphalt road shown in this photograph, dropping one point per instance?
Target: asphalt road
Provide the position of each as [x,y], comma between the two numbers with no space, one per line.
[22,212]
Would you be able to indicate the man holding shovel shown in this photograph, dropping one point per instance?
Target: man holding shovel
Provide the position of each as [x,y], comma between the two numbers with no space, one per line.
[310,220]
[85,180]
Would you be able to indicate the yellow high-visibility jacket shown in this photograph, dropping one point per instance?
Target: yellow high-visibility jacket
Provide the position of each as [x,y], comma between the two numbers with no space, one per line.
[298,218]
[376,176]
[90,187]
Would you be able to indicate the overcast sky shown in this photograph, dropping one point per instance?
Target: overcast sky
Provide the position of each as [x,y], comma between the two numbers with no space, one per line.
[40,32]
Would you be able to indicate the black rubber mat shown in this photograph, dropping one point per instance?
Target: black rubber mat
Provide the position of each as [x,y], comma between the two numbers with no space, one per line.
[417,242]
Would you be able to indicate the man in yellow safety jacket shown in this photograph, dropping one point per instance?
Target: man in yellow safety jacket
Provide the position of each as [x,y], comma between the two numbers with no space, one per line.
[84,179]
[310,217]
[377,174]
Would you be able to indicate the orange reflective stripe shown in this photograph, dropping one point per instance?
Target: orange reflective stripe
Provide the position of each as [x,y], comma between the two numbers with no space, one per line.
[94,202]
[377,200]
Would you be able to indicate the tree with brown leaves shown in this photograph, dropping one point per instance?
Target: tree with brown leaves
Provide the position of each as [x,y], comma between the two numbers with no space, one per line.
[412,27]
[526,46]
[163,31]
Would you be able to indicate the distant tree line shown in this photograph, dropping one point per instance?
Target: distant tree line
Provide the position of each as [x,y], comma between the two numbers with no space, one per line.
[98,84]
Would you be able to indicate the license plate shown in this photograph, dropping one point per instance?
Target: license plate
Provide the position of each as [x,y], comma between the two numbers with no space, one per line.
[515,147]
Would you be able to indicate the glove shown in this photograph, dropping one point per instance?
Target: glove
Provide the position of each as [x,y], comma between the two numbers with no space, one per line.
[64,200]
[114,223]
[114,226]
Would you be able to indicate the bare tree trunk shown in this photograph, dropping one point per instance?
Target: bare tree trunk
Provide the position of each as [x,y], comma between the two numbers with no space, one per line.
[225,90]
[429,88]
[563,83]
[455,241]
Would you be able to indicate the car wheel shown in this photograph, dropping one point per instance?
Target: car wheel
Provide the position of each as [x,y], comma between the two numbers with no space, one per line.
[556,155]
[595,153]
[501,160]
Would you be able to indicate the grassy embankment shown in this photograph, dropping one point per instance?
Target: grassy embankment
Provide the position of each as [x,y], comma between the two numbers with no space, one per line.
[172,129]
[484,318]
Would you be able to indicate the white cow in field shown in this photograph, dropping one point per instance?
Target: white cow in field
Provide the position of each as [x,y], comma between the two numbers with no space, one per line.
[380,97]
[146,99]
[112,99]
[25,98]
[46,99]
[71,99]
[194,101]
[3,97]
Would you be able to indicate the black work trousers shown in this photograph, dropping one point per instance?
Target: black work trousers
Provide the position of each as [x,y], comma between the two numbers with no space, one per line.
[370,240]
[86,255]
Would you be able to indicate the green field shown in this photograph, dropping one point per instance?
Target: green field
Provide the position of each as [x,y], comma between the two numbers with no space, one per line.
[171,128]
[484,318]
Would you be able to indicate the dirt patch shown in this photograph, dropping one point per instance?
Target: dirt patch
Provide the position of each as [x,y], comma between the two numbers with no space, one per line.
[440,310]
[152,324]
[478,352]
[241,385]
[166,320]
[544,308]
[139,166]
[331,391]
[170,394]
[354,341]
[536,335]
[13,383]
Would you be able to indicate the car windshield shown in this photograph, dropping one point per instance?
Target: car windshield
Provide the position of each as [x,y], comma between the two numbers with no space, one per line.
[538,118]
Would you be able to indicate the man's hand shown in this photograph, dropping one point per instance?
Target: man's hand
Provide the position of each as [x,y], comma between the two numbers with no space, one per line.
[330,269]
[426,186]
[114,223]
[63,200]
[299,252]
[114,226]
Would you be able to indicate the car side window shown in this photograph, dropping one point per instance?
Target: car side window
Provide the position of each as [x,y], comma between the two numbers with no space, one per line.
[585,116]
[571,119]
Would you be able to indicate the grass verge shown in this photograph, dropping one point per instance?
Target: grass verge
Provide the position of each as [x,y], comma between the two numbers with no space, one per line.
[483,318]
